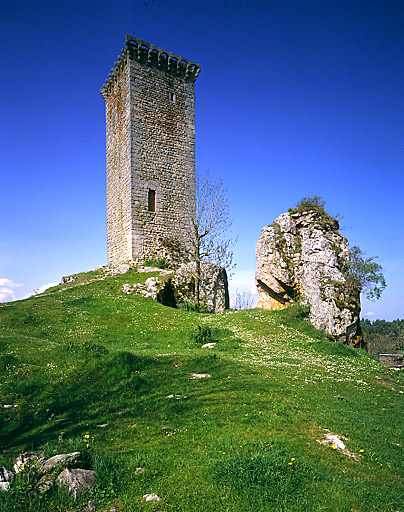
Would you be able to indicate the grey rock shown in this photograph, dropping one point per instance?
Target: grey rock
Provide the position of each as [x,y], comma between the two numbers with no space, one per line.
[209,345]
[27,459]
[122,269]
[116,270]
[139,471]
[161,271]
[68,279]
[199,375]
[302,257]
[77,481]
[90,507]
[44,484]
[64,459]
[214,291]
[152,497]
[6,479]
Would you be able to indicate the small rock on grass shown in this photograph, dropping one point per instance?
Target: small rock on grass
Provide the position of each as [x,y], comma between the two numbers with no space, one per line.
[209,345]
[6,479]
[199,375]
[152,497]
[90,507]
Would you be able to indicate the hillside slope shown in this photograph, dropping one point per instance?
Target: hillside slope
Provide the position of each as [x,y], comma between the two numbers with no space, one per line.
[84,359]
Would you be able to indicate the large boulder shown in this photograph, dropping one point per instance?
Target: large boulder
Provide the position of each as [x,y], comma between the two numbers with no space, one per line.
[301,257]
[214,289]
[77,481]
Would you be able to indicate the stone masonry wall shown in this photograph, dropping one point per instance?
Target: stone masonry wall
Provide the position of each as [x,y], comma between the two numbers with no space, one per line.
[163,158]
[118,141]
[150,117]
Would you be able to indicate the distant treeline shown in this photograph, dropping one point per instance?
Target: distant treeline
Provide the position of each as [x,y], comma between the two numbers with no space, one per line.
[383,337]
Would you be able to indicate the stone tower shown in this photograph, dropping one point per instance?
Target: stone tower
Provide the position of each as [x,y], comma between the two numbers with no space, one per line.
[150,134]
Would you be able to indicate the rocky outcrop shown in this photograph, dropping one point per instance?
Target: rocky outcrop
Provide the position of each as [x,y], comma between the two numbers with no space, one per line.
[173,287]
[301,257]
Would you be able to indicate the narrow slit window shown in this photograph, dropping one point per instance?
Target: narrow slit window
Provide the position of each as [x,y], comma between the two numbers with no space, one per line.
[152,200]
[172,96]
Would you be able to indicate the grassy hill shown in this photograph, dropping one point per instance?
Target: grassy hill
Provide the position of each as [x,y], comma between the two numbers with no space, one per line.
[89,368]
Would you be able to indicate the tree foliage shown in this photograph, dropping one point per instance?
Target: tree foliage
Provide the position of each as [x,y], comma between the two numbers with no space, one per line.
[382,336]
[365,275]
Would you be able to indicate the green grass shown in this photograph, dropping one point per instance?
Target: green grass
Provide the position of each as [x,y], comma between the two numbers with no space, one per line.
[84,358]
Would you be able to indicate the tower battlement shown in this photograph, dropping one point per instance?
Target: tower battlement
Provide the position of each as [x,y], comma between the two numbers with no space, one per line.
[150,55]
[150,137]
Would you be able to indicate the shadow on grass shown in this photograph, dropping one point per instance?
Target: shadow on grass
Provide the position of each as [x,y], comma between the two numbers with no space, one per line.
[102,388]
[45,407]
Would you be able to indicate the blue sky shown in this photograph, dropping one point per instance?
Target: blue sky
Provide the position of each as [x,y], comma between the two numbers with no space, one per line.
[295,98]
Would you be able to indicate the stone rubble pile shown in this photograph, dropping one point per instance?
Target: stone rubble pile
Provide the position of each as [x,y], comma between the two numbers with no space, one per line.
[172,287]
[74,480]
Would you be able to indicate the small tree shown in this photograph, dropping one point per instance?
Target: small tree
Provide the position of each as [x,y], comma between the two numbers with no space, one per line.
[243,300]
[365,275]
[210,226]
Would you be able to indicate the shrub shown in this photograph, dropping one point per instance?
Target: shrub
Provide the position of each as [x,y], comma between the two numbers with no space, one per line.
[310,203]
[85,347]
[158,263]
[202,335]
[294,312]
[193,306]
